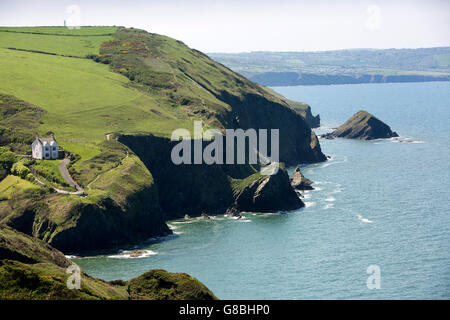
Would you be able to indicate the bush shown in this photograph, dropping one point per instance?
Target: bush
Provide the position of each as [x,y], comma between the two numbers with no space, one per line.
[20,170]
[7,159]
[30,177]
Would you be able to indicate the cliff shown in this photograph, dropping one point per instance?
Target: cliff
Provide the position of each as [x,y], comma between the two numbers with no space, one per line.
[30,269]
[362,125]
[212,189]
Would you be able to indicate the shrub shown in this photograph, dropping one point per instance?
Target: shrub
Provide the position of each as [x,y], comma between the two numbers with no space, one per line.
[30,177]
[19,169]
[7,159]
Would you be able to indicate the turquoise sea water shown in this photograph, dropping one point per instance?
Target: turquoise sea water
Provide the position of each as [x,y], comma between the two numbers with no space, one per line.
[383,203]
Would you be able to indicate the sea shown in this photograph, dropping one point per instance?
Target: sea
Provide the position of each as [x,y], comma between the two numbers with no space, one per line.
[376,226]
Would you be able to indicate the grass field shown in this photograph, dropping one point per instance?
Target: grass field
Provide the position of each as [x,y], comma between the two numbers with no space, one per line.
[62,45]
[83,100]
[12,183]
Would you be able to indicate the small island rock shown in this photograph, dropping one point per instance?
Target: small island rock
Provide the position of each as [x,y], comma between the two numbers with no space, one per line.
[362,125]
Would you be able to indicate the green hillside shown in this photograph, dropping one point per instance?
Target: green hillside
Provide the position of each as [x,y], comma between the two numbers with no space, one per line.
[98,84]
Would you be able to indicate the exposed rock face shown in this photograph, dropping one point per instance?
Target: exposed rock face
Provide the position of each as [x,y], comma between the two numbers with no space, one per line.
[211,189]
[32,269]
[299,182]
[364,126]
[84,226]
[267,194]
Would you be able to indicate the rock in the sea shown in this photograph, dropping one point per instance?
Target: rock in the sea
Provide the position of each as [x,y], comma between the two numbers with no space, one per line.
[259,193]
[362,125]
[299,182]
[137,253]
[205,216]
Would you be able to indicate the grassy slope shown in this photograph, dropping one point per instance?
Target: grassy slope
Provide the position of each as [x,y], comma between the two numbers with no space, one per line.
[62,45]
[80,112]
[13,183]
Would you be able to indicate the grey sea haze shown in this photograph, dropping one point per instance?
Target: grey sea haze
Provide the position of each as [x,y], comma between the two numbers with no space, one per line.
[382,202]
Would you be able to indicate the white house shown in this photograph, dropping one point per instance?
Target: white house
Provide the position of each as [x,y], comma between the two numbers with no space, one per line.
[45,148]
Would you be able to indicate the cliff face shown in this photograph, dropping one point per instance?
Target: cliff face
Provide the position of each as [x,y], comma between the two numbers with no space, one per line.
[207,90]
[74,225]
[362,125]
[296,137]
[266,193]
[212,189]
[30,269]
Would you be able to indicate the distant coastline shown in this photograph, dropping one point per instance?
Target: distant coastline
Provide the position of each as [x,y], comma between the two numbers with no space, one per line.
[352,66]
[275,79]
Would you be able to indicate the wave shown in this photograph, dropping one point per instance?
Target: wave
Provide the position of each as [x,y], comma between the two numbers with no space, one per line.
[184,222]
[405,140]
[309,204]
[362,219]
[330,199]
[323,182]
[329,206]
[136,254]
[332,161]
[336,191]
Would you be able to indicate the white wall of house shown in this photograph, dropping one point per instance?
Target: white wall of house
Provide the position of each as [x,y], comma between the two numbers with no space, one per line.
[36,149]
[44,150]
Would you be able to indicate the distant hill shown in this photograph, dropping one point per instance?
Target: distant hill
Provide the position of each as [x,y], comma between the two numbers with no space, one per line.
[340,66]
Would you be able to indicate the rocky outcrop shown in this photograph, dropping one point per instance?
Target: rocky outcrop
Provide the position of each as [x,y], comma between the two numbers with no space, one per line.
[30,269]
[299,182]
[364,126]
[211,189]
[79,224]
[269,193]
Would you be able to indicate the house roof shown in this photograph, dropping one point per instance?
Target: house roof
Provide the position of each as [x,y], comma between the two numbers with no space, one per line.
[48,140]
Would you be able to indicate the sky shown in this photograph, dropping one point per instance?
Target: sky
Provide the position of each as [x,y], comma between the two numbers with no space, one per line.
[254,25]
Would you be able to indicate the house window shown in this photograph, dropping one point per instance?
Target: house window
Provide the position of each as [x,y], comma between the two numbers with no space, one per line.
[46,155]
[54,148]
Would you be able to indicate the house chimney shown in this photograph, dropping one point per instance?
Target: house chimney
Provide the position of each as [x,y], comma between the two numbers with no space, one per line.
[37,135]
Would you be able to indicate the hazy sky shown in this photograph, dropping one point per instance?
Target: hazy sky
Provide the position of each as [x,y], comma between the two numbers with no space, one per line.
[250,25]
